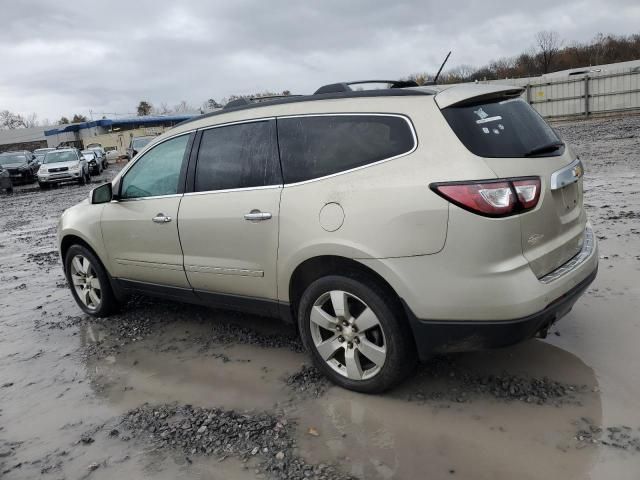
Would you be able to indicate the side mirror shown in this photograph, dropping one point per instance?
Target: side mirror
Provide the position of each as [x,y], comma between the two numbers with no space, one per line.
[101,194]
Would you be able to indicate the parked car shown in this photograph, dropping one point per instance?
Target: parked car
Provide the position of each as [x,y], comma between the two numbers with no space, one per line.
[112,153]
[137,144]
[21,166]
[389,224]
[100,154]
[63,165]
[5,180]
[39,154]
[95,163]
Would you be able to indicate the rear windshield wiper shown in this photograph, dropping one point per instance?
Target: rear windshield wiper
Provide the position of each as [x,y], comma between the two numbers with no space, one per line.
[549,147]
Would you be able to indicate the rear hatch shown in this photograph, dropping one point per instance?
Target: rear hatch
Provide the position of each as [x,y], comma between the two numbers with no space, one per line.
[515,141]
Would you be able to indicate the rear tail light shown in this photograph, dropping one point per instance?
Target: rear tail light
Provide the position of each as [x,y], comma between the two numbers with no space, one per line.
[492,198]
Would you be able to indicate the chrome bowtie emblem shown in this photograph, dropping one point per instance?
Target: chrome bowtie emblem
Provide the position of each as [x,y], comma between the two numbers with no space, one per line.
[577,171]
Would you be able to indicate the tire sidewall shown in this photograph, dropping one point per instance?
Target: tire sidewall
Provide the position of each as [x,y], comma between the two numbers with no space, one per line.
[400,352]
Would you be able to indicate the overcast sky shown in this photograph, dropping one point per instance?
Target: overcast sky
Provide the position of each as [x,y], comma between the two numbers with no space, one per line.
[66,57]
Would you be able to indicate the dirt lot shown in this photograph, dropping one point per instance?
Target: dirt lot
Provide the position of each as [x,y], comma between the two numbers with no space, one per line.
[168,391]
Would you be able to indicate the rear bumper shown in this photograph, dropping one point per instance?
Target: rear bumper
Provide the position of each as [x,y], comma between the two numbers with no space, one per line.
[439,336]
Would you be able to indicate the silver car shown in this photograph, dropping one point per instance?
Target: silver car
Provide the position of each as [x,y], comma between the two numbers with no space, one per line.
[387,224]
[63,165]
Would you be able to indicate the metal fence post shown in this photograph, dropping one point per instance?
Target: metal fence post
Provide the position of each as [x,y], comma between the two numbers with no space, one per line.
[529,93]
[586,95]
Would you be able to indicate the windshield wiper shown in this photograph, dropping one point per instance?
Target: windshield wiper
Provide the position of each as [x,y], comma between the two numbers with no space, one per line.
[549,147]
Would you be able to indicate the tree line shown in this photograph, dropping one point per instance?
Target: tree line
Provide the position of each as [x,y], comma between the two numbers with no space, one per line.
[550,53]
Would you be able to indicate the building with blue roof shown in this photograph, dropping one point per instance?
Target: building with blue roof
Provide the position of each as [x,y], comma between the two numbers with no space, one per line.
[111,133]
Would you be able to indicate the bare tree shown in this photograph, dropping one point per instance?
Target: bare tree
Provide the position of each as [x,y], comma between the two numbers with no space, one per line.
[10,120]
[183,107]
[31,120]
[548,43]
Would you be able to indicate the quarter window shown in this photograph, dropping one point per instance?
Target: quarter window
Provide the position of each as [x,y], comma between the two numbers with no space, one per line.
[157,172]
[238,156]
[315,146]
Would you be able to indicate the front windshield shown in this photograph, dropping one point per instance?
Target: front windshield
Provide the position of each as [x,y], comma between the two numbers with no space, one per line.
[138,143]
[64,156]
[8,159]
[88,154]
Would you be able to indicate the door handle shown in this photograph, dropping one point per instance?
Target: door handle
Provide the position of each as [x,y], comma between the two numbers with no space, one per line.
[257,216]
[161,218]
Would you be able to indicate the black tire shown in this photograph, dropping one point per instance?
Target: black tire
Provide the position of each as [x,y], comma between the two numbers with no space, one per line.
[401,357]
[108,302]
[43,185]
[10,190]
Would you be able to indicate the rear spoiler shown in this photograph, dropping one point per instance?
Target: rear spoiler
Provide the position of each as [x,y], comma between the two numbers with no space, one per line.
[465,94]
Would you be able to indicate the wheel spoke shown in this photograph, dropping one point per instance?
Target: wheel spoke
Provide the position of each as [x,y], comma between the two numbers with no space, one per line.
[329,347]
[95,300]
[76,279]
[95,283]
[322,318]
[372,351]
[85,297]
[85,265]
[354,369]
[367,320]
[77,264]
[339,302]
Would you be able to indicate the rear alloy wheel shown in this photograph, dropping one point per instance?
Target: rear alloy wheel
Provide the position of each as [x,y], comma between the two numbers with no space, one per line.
[89,282]
[355,337]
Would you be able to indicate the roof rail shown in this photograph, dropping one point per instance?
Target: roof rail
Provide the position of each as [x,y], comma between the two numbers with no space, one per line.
[346,86]
[240,102]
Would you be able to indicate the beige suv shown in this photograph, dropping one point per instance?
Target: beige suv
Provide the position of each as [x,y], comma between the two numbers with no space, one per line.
[388,224]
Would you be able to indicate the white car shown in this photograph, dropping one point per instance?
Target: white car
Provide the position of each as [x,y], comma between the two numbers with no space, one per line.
[63,165]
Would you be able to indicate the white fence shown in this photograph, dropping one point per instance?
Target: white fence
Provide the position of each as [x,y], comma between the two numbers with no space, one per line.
[585,94]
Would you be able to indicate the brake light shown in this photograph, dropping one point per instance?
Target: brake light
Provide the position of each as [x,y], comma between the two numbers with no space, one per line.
[492,198]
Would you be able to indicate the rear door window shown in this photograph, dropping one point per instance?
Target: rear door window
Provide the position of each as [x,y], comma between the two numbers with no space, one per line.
[238,156]
[509,128]
[316,146]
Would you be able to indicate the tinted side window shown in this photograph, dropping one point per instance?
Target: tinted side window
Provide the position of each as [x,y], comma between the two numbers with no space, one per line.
[312,147]
[238,156]
[157,171]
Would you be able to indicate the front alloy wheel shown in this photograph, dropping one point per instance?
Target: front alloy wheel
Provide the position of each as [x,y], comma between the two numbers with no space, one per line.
[347,335]
[86,282]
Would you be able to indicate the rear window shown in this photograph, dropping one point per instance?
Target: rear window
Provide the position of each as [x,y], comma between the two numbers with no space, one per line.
[316,146]
[509,128]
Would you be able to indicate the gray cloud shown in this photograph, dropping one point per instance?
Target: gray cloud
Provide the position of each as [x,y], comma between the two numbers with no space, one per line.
[60,58]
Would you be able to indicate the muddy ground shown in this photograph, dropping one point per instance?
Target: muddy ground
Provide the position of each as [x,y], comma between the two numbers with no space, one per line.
[173,391]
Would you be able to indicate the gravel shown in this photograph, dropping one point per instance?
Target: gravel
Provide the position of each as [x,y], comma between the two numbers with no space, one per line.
[455,384]
[619,436]
[308,381]
[257,437]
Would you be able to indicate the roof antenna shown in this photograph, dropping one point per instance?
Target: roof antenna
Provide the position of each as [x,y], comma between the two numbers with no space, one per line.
[435,79]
